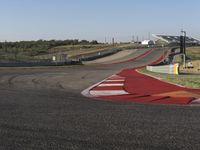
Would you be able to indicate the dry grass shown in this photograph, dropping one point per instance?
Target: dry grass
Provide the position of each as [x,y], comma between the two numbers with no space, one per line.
[75,50]
[195,70]
[193,53]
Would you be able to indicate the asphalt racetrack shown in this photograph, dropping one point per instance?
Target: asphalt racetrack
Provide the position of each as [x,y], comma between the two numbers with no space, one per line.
[42,108]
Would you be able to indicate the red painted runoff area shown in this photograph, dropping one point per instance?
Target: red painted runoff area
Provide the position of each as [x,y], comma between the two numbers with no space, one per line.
[146,89]
[132,86]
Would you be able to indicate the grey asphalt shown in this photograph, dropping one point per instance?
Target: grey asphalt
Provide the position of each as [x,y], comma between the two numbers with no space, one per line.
[42,108]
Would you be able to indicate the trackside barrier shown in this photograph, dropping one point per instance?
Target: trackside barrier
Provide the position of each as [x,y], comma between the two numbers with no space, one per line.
[35,64]
[97,55]
[168,69]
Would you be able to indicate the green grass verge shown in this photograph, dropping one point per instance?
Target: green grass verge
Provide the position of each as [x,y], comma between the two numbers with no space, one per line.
[190,81]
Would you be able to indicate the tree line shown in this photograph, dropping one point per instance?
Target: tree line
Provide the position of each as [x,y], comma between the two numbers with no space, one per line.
[40,46]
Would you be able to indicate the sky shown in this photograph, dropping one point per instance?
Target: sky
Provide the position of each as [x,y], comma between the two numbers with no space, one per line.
[96,19]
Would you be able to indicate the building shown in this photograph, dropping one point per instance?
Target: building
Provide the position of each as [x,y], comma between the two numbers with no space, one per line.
[147,42]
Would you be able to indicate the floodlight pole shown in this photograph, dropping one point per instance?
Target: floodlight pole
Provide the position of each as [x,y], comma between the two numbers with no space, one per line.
[183,46]
[184,41]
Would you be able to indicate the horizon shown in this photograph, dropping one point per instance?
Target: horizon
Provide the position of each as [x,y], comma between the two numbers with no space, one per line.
[28,20]
[100,42]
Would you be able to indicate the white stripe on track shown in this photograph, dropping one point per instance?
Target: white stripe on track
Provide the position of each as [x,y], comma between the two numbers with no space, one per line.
[197,101]
[102,85]
[108,93]
[114,80]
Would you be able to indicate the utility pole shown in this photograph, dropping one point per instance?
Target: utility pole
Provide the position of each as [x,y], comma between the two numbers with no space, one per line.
[105,40]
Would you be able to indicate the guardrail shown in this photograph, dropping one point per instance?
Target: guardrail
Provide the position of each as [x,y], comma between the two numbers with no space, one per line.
[168,69]
[96,55]
[167,66]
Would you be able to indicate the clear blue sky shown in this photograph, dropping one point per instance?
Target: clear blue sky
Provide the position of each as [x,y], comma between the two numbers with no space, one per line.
[96,19]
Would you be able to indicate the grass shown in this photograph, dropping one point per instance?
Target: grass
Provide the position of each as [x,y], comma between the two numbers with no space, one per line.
[195,70]
[83,49]
[40,53]
[191,81]
[14,57]
[75,50]
[72,51]
[193,55]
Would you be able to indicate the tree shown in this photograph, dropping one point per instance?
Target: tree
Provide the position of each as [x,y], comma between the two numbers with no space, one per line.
[94,42]
[84,42]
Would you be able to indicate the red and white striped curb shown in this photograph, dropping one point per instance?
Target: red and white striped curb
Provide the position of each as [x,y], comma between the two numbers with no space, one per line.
[112,86]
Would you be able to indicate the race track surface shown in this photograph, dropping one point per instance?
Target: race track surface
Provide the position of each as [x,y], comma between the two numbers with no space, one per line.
[42,108]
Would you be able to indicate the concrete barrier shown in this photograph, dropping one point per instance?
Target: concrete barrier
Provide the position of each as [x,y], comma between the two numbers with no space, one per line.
[168,69]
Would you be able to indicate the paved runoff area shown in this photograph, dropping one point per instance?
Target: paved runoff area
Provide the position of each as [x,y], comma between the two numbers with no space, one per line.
[43,108]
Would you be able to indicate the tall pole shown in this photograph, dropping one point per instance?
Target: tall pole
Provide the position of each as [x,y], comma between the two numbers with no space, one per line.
[149,36]
[183,46]
[113,42]
[184,42]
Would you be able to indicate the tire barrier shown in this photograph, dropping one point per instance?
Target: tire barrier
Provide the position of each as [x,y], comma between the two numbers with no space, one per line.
[168,69]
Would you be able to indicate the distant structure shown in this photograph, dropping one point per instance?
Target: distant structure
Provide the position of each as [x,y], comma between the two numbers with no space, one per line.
[148,42]
[135,41]
[175,40]
[113,41]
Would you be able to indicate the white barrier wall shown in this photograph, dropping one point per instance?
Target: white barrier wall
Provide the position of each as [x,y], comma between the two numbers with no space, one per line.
[168,69]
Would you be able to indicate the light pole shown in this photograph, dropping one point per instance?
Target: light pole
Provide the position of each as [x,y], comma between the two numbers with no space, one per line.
[183,46]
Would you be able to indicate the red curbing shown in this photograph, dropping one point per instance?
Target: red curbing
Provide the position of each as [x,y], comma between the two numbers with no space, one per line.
[133,59]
